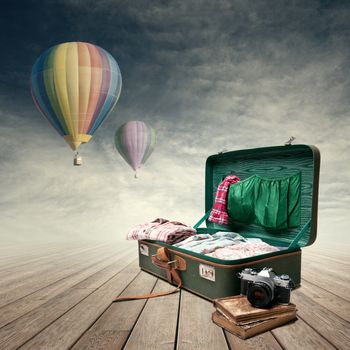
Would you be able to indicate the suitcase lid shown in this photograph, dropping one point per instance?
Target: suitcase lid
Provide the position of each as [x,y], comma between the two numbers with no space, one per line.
[274,162]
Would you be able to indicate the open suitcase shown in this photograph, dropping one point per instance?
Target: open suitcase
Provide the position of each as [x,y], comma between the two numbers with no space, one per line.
[214,278]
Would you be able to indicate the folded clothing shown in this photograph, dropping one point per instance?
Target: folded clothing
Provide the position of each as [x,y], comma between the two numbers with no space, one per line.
[206,243]
[163,230]
[252,247]
[226,245]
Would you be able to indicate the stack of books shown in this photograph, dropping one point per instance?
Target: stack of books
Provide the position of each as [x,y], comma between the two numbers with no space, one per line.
[238,316]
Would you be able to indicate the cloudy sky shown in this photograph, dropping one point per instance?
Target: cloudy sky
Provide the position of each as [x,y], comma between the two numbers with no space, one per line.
[207,75]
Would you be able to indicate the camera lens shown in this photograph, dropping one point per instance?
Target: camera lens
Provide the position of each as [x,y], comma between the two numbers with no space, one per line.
[260,294]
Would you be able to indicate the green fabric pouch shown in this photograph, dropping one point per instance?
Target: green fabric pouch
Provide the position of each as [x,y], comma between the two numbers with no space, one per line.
[272,203]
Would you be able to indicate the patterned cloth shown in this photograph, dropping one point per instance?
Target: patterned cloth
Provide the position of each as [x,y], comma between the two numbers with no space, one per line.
[206,243]
[163,230]
[252,247]
[219,213]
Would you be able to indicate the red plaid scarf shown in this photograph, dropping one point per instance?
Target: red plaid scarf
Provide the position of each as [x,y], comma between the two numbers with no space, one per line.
[218,213]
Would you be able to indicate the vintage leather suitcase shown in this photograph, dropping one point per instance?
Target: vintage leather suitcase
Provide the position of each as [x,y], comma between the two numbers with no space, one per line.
[215,278]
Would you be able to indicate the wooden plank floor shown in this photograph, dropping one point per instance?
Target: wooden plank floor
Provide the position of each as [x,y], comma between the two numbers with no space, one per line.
[59,296]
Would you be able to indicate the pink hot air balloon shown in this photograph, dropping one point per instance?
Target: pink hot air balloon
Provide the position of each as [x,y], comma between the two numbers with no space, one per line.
[135,141]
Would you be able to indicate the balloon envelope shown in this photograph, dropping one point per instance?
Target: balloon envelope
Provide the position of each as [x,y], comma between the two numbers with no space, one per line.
[75,85]
[135,141]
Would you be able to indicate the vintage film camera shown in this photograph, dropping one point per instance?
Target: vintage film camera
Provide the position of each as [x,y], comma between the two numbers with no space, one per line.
[265,288]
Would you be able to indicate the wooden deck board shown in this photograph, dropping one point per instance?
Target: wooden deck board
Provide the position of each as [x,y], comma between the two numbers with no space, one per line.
[59,297]
[196,311]
[66,330]
[18,270]
[156,327]
[333,303]
[22,277]
[19,288]
[265,341]
[299,335]
[332,327]
[21,306]
[21,255]
[113,328]
[24,328]
[335,281]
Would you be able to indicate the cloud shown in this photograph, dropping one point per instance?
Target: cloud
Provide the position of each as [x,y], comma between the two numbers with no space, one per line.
[207,75]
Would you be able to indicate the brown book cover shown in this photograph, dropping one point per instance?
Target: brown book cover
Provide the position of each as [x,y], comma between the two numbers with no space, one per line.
[238,309]
[253,328]
[249,321]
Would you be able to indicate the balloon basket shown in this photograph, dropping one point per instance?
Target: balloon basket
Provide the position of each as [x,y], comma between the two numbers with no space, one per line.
[78,160]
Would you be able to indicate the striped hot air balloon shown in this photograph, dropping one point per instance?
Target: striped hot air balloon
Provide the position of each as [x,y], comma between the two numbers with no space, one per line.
[75,85]
[135,141]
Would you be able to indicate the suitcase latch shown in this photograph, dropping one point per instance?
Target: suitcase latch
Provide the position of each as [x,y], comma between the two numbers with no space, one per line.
[289,142]
[144,250]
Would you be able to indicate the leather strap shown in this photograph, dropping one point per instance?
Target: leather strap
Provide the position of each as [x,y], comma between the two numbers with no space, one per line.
[162,260]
